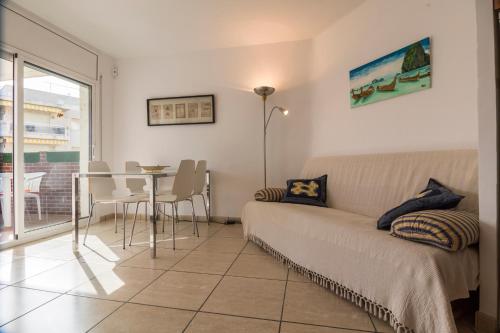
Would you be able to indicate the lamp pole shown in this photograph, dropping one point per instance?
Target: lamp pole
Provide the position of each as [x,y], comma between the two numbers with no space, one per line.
[264,97]
[264,92]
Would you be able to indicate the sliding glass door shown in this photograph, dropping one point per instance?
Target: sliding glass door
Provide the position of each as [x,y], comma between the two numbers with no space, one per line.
[56,143]
[7,225]
[45,136]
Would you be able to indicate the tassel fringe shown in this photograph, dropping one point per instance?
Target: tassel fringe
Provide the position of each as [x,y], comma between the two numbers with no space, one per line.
[368,305]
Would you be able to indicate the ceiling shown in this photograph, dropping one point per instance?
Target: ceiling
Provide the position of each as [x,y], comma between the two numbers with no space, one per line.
[132,28]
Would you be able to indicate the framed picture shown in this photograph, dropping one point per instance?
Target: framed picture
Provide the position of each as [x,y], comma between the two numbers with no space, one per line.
[401,72]
[181,110]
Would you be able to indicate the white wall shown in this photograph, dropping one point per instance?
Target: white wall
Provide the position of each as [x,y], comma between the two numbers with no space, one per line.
[233,145]
[457,112]
[444,116]
[488,182]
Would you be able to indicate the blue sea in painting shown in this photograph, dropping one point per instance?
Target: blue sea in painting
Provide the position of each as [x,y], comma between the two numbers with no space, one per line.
[401,72]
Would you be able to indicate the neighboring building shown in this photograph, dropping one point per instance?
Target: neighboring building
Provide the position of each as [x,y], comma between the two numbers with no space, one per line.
[52,121]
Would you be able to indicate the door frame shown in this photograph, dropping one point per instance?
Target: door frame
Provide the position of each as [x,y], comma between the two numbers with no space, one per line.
[20,58]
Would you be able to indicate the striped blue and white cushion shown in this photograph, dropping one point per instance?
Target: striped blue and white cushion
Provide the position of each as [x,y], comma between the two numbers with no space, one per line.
[451,230]
[270,194]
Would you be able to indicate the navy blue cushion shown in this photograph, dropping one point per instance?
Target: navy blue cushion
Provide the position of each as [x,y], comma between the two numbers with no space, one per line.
[306,191]
[434,196]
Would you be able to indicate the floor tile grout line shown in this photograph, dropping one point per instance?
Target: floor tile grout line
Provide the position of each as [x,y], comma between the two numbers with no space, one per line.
[38,289]
[326,326]
[218,283]
[24,279]
[24,314]
[284,296]
[255,277]
[122,303]
[373,324]
[196,312]
[165,271]
[227,314]
[229,275]
[145,287]
[67,292]
[64,262]
[67,262]
[281,320]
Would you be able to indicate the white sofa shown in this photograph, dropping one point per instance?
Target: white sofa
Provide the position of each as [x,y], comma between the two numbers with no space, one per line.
[408,284]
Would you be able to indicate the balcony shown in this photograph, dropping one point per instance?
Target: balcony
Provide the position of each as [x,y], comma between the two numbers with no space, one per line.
[52,187]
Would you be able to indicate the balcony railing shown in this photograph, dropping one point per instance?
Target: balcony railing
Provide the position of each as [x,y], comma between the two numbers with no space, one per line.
[38,131]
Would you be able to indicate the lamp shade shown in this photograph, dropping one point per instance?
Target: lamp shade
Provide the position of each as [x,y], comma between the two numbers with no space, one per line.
[264,91]
[283,110]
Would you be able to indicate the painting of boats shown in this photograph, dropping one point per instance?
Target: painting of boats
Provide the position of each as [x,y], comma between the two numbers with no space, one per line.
[401,72]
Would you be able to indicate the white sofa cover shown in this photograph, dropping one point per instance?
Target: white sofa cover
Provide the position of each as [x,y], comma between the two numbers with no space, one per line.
[408,284]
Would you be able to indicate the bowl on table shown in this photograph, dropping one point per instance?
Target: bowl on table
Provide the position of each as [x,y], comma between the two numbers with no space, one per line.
[152,168]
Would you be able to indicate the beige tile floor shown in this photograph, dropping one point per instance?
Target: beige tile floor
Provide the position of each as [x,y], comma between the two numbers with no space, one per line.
[216,283]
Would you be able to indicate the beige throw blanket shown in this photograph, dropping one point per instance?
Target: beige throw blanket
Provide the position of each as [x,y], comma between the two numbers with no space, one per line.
[406,283]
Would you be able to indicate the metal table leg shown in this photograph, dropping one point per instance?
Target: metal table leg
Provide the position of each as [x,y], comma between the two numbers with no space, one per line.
[75,182]
[208,198]
[152,217]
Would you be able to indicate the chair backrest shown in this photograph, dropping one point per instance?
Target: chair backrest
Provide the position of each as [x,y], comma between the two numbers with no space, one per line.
[184,180]
[200,177]
[135,185]
[100,186]
[32,181]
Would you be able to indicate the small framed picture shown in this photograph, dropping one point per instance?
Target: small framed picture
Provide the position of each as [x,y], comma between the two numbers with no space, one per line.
[181,110]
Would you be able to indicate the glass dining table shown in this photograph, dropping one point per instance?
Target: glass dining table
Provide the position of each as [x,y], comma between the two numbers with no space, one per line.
[153,218]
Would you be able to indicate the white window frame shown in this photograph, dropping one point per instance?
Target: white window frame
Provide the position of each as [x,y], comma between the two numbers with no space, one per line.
[20,58]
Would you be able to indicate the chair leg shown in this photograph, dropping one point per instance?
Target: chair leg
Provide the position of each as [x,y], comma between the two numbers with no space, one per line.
[88,223]
[1,207]
[164,213]
[116,222]
[195,223]
[158,210]
[173,225]
[146,212]
[206,210]
[133,225]
[177,212]
[192,218]
[125,208]
[39,207]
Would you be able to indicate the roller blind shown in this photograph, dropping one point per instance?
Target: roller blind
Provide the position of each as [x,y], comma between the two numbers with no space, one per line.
[25,34]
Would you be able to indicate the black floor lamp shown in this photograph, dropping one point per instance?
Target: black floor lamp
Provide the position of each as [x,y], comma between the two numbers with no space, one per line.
[264,92]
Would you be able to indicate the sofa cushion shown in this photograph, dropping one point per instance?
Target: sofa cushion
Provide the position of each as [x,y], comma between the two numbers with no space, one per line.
[306,191]
[372,184]
[270,194]
[451,230]
[434,196]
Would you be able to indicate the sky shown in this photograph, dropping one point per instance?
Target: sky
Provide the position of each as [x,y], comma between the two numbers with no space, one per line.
[382,61]
[47,83]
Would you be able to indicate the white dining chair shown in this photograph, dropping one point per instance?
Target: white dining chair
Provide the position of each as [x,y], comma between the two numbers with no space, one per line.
[101,190]
[200,180]
[135,185]
[182,190]
[32,182]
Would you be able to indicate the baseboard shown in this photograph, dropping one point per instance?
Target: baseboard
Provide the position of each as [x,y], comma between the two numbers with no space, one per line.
[485,323]
[216,219]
